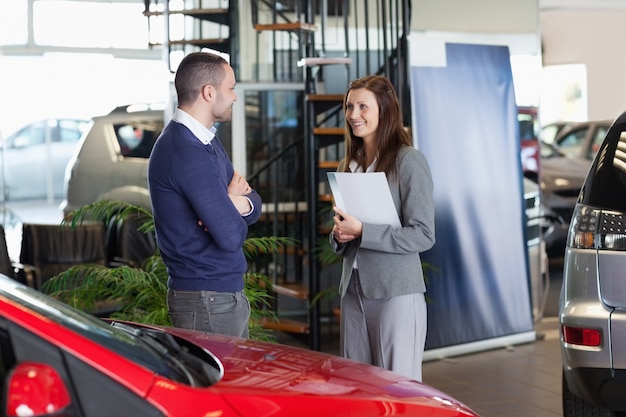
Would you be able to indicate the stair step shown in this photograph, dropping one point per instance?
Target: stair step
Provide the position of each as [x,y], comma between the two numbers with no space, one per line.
[214,15]
[324,102]
[289,26]
[328,164]
[315,61]
[297,291]
[205,43]
[286,325]
[329,131]
[325,97]
[285,207]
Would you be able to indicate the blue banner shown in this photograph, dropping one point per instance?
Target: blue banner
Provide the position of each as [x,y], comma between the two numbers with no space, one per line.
[465,122]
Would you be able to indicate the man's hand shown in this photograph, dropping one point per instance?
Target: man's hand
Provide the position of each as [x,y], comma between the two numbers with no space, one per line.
[237,190]
[241,203]
[238,185]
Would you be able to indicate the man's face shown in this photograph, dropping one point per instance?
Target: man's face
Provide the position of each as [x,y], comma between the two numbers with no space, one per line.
[223,109]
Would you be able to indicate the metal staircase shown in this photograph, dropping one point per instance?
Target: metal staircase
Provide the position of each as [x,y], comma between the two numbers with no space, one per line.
[180,30]
[367,37]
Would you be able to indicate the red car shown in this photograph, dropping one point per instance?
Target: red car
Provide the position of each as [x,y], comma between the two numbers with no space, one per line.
[529,142]
[59,361]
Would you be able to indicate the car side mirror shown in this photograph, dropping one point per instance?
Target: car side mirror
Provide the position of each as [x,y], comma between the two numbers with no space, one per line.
[20,142]
[35,389]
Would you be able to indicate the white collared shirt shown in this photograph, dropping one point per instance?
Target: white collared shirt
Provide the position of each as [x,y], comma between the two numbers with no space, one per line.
[355,168]
[198,129]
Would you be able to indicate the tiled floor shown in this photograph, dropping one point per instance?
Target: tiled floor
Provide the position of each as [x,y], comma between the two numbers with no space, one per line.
[522,380]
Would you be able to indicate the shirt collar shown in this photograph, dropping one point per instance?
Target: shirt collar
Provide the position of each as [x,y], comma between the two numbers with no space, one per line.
[355,168]
[202,133]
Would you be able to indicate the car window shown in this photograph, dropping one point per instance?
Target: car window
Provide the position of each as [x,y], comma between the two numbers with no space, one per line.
[71,130]
[574,139]
[571,144]
[607,186]
[549,132]
[136,139]
[527,127]
[549,150]
[29,136]
[598,138]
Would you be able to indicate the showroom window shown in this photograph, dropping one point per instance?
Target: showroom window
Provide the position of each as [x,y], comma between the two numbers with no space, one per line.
[94,24]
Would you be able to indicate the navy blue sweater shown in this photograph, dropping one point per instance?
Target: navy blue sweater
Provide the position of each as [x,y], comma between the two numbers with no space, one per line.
[188,182]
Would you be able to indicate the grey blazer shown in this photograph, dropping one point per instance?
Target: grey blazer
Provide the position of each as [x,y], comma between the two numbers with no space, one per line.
[388,258]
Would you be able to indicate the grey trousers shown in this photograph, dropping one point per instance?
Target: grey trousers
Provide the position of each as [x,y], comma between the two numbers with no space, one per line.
[389,333]
[210,311]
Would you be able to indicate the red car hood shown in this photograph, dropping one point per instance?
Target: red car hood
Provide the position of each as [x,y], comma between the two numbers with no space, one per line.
[276,369]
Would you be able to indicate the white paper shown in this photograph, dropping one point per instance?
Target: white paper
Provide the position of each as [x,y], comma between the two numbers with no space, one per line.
[365,196]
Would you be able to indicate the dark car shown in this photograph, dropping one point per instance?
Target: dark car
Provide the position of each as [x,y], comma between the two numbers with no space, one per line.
[560,182]
[58,361]
[592,308]
[564,165]
[34,158]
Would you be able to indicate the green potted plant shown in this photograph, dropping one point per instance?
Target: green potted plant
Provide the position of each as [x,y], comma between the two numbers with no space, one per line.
[140,293]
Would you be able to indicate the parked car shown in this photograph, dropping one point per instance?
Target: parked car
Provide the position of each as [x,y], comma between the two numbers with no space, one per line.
[33,159]
[561,179]
[112,158]
[564,166]
[551,130]
[592,308]
[535,246]
[582,139]
[59,361]
[529,140]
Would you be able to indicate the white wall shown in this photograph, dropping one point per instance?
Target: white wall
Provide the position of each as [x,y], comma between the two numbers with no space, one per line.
[594,38]
[586,33]
[483,16]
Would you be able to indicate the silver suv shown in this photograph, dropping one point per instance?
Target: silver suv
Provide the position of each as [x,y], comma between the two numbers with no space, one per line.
[111,160]
[592,309]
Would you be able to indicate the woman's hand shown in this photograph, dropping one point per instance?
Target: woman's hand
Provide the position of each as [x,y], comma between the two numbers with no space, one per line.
[346,227]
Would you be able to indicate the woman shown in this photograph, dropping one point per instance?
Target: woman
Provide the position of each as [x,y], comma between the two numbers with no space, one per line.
[383,310]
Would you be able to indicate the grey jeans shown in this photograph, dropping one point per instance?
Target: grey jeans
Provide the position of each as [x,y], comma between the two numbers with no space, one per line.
[210,311]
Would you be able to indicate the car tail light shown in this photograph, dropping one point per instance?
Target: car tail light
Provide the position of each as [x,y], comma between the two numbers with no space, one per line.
[597,229]
[580,336]
[35,389]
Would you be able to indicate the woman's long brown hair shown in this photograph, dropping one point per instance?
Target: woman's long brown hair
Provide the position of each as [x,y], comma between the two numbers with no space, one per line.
[390,134]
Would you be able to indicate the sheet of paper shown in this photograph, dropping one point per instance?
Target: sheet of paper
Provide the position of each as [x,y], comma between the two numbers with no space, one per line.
[365,196]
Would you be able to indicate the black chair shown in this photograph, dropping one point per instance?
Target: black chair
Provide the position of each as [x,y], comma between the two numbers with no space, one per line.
[52,249]
[126,245]
[6,265]
[14,270]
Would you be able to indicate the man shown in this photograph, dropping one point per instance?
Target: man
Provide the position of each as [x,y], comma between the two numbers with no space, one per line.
[202,208]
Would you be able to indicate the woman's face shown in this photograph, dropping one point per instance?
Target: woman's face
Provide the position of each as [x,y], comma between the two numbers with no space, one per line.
[362,113]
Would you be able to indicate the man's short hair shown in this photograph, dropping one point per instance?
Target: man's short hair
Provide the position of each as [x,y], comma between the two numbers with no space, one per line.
[195,71]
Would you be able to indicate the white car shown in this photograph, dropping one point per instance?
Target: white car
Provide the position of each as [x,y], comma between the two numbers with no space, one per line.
[34,158]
